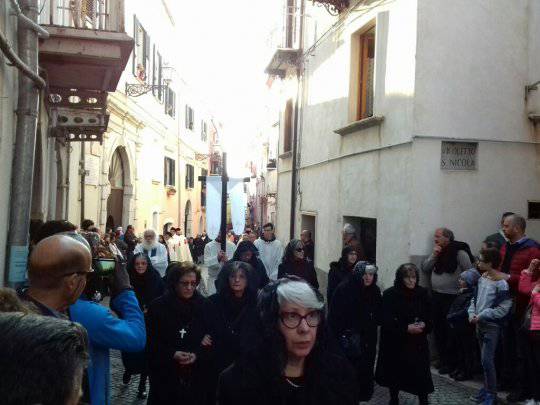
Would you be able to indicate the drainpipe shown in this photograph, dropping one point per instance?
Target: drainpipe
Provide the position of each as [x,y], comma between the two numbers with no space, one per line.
[68,170]
[296,121]
[82,171]
[23,153]
[16,61]
[27,22]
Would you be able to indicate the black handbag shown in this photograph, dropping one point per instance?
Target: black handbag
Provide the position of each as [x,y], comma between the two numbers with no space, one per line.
[526,322]
[351,344]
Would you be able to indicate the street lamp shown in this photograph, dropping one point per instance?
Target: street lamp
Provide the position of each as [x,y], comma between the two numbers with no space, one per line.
[138,89]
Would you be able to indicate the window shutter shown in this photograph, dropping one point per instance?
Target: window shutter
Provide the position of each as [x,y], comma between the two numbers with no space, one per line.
[146,51]
[135,32]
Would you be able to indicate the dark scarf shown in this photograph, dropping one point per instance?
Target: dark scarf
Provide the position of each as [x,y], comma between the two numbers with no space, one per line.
[184,309]
[234,307]
[447,259]
[145,285]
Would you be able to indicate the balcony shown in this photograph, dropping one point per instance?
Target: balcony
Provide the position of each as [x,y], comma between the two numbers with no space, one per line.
[285,38]
[88,47]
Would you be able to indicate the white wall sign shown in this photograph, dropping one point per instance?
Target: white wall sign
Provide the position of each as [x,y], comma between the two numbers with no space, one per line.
[459,155]
[91,164]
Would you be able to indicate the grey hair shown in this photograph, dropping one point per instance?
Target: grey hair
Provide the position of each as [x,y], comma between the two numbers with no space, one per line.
[349,229]
[150,232]
[447,233]
[300,293]
[53,351]
[519,221]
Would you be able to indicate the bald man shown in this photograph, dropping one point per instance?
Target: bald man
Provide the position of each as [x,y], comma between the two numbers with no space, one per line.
[59,266]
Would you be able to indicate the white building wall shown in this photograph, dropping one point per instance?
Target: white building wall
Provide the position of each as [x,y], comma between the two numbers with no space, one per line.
[473,90]
[430,85]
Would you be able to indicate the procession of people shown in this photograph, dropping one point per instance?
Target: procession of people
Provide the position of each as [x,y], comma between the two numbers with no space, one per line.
[262,331]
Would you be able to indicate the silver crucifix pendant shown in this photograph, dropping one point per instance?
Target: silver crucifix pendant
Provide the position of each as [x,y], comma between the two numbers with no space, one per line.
[182,333]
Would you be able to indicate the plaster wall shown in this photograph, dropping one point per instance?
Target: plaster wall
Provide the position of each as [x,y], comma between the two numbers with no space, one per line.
[470,76]
[471,202]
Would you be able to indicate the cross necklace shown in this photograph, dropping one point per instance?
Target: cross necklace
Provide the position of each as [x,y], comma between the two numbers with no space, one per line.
[182,332]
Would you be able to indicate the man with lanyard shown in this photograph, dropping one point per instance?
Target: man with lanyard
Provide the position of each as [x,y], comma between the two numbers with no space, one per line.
[57,286]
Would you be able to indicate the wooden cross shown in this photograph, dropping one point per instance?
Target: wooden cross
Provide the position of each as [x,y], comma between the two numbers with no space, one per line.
[224,180]
[182,333]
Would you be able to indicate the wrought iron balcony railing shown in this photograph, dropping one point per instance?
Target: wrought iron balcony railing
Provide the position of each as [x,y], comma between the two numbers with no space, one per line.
[102,15]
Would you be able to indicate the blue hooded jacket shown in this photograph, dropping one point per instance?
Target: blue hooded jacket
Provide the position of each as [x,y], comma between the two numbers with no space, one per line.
[106,331]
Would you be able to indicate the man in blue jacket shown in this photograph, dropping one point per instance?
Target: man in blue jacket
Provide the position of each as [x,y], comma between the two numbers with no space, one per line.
[105,331]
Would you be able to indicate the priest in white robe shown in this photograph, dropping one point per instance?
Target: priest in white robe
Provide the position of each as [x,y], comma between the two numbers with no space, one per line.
[213,262]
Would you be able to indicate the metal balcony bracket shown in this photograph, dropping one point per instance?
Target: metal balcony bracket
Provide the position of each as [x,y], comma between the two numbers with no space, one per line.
[138,89]
[334,7]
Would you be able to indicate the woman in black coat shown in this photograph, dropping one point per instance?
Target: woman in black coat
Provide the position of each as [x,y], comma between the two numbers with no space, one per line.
[235,323]
[147,285]
[341,270]
[403,362]
[178,339]
[294,263]
[247,252]
[353,317]
[291,364]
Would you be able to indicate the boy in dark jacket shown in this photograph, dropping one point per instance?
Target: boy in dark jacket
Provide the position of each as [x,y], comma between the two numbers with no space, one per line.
[460,328]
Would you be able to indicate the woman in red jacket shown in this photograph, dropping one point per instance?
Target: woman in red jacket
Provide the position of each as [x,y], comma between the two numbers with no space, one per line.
[529,284]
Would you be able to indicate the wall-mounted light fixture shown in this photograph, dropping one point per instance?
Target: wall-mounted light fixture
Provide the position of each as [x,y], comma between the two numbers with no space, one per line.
[138,89]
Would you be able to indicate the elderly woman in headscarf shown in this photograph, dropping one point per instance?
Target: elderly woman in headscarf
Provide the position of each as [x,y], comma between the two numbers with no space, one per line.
[404,361]
[353,318]
[341,270]
[147,285]
[292,363]
[235,322]
[294,263]
[247,252]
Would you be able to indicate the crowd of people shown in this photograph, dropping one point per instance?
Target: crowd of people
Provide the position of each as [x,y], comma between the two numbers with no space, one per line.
[260,331]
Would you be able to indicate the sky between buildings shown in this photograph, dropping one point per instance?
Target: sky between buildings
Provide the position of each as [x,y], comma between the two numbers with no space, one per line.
[226,47]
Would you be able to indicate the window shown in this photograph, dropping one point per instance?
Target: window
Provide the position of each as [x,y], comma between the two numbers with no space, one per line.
[170,102]
[204,173]
[190,117]
[169,172]
[288,127]
[204,133]
[141,57]
[366,66]
[190,176]
[159,78]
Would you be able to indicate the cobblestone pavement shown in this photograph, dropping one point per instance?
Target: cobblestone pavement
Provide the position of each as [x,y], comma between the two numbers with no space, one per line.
[446,392]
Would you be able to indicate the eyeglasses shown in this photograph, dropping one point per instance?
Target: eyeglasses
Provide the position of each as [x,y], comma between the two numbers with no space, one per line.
[292,319]
[299,249]
[187,284]
[79,273]
[248,231]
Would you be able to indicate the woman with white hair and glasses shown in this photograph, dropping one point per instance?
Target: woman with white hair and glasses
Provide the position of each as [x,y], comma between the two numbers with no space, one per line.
[291,364]
[354,316]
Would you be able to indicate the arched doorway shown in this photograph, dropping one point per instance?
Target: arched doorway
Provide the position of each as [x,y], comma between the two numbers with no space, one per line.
[115,202]
[188,219]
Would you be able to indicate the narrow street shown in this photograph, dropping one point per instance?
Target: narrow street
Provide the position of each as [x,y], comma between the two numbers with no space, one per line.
[446,392]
